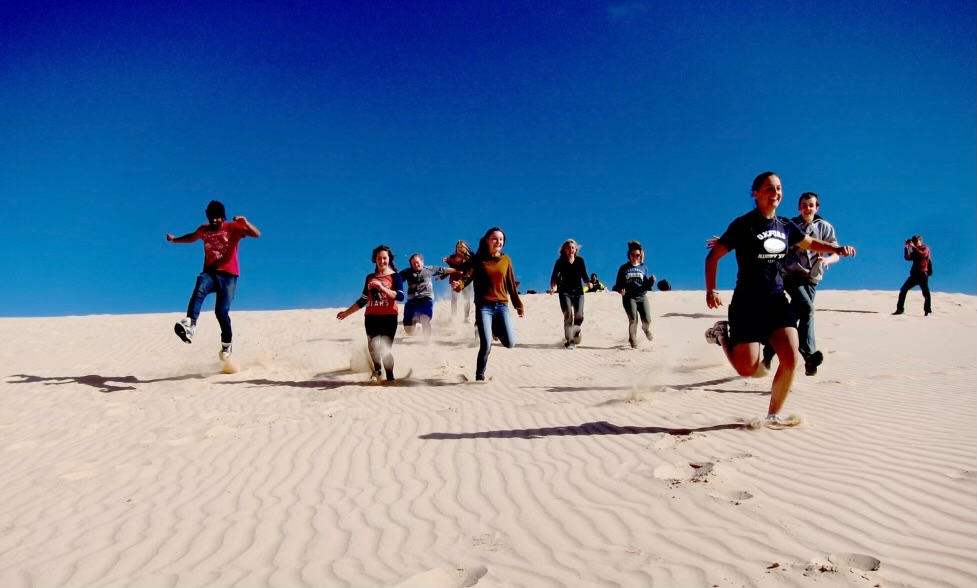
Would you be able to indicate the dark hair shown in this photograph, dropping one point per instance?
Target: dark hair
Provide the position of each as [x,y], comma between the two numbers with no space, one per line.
[807,195]
[483,242]
[636,246]
[390,254]
[758,181]
[916,238]
[215,210]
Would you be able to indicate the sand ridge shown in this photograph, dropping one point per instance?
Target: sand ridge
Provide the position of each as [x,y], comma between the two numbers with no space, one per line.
[128,458]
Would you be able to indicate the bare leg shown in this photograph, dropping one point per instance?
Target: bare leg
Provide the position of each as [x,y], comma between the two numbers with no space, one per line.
[784,342]
[744,357]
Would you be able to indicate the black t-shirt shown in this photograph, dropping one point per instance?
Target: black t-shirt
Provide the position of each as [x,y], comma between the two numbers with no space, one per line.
[761,245]
[570,277]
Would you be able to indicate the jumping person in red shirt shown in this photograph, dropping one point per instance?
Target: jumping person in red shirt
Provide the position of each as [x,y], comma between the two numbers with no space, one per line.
[220,271]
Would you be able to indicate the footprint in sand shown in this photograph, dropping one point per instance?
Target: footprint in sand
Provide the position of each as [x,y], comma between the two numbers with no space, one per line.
[963,475]
[684,472]
[732,496]
[446,578]
[857,561]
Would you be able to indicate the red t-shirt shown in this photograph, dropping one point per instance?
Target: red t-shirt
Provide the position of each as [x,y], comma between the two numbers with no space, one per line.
[220,246]
[379,303]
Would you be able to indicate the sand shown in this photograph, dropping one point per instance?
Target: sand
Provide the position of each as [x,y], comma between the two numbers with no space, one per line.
[127,458]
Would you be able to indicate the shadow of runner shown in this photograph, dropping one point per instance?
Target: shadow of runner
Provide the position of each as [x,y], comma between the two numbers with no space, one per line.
[100,382]
[598,428]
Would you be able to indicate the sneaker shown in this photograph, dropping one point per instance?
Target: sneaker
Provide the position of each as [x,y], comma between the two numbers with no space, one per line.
[376,376]
[812,362]
[717,333]
[897,312]
[570,345]
[184,330]
[577,337]
[225,352]
[774,418]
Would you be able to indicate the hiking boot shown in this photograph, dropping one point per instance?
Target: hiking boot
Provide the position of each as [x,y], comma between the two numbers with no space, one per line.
[717,333]
[225,352]
[812,362]
[184,330]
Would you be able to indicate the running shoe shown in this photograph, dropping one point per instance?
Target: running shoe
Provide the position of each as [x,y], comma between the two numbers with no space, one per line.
[184,330]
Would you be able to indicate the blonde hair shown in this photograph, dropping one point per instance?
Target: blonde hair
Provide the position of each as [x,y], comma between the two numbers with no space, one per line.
[564,246]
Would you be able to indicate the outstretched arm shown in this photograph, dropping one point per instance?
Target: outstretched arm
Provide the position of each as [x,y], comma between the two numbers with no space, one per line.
[819,246]
[188,238]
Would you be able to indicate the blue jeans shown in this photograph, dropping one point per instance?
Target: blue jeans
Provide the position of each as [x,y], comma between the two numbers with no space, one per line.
[802,292]
[491,319]
[224,285]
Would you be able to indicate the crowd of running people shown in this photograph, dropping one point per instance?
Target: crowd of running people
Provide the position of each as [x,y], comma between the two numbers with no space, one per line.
[776,257]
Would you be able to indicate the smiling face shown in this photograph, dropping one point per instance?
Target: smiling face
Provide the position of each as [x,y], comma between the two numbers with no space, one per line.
[570,249]
[808,207]
[382,260]
[494,242]
[416,262]
[769,195]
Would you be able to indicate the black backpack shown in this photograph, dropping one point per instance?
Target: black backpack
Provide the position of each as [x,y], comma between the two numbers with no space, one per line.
[664,286]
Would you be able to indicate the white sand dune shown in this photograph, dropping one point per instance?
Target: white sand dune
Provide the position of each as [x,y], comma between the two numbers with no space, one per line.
[128,459]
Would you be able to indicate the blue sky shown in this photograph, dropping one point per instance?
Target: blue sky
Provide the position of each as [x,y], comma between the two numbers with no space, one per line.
[335,126]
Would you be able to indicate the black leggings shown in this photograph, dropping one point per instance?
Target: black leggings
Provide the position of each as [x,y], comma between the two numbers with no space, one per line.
[380,332]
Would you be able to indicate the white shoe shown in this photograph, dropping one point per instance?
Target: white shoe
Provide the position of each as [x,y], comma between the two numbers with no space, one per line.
[774,418]
[225,352]
[184,329]
[716,333]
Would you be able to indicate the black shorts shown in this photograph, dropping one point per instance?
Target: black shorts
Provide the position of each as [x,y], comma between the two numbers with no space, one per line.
[381,325]
[753,317]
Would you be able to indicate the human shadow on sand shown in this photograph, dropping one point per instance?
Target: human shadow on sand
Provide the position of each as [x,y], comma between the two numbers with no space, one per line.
[332,384]
[847,310]
[695,315]
[598,428]
[100,382]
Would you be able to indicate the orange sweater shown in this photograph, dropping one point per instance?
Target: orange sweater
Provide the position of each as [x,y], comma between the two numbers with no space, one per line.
[494,280]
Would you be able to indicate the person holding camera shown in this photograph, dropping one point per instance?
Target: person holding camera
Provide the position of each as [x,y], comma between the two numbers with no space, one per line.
[919,273]
[381,292]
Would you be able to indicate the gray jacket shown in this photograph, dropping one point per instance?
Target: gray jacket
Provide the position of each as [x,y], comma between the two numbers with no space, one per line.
[801,262]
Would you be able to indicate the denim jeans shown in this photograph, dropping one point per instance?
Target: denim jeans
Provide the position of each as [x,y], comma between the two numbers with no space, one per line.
[802,292]
[223,284]
[915,279]
[572,307]
[466,296]
[637,308]
[491,319]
